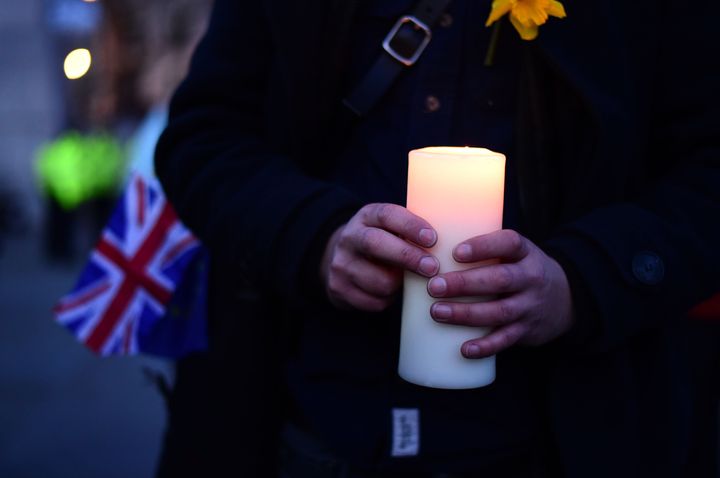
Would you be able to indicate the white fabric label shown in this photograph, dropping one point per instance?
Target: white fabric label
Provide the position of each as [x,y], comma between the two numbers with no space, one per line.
[406,432]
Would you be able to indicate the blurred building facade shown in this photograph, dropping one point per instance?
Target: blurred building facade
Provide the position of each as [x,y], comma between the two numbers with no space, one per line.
[30,106]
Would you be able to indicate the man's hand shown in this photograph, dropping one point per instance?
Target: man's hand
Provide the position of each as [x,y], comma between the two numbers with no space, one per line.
[533,303]
[364,260]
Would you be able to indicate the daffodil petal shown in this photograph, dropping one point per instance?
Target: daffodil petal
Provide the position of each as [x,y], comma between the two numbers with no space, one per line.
[527,32]
[499,8]
[529,13]
[556,9]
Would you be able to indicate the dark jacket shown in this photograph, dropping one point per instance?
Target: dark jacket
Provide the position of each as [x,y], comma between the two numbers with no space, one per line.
[618,168]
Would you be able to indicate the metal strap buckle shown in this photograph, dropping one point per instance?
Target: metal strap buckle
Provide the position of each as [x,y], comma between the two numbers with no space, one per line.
[407,60]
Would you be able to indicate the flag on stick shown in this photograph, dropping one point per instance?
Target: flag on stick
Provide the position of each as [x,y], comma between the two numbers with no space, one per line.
[145,284]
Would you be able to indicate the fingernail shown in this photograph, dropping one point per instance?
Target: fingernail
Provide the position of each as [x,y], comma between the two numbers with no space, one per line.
[437,286]
[429,265]
[441,312]
[463,252]
[427,237]
[472,350]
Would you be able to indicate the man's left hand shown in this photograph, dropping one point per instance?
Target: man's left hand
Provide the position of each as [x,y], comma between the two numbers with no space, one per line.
[532,304]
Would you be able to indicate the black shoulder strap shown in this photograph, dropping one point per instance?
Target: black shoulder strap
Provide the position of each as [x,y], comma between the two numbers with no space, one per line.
[402,47]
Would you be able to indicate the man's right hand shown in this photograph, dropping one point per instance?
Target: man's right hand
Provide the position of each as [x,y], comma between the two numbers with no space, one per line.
[364,260]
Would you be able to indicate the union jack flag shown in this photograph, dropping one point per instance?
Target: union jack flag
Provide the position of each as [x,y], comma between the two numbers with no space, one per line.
[144,286]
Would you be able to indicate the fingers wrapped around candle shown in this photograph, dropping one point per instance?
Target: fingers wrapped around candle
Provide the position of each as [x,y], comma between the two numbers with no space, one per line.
[391,234]
[506,244]
[522,266]
[367,286]
[485,280]
[387,248]
[364,260]
[529,295]
[375,279]
[400,221]
[479,314]
[496,341]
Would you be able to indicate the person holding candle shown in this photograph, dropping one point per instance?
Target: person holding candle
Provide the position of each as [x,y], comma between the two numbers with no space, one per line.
[609,123]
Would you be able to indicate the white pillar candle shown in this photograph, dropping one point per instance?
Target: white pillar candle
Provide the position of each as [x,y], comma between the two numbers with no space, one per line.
[459,191]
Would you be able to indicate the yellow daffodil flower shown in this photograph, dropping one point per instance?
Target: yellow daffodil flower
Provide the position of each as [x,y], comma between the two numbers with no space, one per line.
[526,15]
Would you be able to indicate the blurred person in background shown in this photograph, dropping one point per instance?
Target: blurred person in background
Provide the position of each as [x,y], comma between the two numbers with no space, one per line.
[11,218]
[174,29]
[81,169]
[610,124]
[114,113]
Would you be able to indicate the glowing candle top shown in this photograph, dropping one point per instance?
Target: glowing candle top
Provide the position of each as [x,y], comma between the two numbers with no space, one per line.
[457,185]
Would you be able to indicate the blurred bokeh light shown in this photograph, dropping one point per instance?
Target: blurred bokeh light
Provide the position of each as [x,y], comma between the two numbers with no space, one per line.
[77,63]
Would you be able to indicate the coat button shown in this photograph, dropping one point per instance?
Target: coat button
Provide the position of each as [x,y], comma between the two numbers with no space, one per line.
[446,20]
[648,268]
[432,104]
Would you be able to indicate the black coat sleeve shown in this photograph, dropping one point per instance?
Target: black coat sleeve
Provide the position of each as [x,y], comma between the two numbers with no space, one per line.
[638,263]
[253,205]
